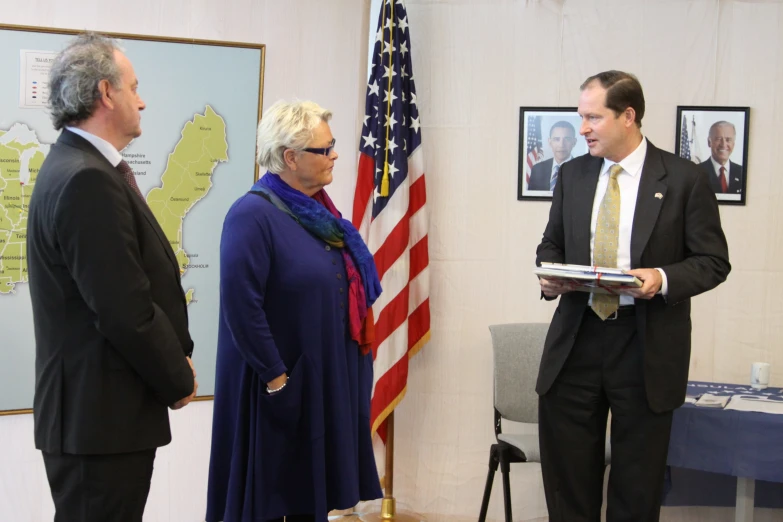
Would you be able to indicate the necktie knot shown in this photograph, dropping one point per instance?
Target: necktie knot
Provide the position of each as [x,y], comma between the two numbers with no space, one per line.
[124,168]
[615,170]
[130,179]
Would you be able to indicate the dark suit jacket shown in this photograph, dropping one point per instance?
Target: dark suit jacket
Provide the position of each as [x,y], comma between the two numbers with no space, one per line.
[679,232]
[735,177]
[540,175]
[110,317]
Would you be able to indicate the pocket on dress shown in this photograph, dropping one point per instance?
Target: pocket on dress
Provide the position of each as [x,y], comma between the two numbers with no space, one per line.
[284,408]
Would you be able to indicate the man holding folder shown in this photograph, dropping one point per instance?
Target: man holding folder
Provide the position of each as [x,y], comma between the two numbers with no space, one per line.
[632,206]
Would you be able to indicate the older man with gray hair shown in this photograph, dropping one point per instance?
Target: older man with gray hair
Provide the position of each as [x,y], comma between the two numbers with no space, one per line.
[724,175]
[111,327]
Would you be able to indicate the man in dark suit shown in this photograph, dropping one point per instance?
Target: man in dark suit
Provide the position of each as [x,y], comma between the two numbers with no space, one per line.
[111,327]
[562,139]
[629,205]
[721,140]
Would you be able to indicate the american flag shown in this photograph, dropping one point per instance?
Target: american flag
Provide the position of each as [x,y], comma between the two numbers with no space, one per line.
[389,210]
[685,143]
[534,146]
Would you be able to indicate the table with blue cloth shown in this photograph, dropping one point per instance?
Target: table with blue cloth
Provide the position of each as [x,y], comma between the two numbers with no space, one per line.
[720,457]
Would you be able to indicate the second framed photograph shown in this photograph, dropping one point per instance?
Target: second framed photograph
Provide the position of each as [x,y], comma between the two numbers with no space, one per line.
[548,137]
[716,138]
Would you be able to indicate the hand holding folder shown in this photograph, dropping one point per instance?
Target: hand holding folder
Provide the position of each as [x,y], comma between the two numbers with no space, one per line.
[592,279]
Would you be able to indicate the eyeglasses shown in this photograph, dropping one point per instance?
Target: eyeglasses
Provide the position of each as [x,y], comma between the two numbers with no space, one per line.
[324,152]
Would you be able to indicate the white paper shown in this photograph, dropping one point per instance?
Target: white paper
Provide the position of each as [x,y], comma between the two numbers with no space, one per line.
[757,403]
[34,78]
[709,400]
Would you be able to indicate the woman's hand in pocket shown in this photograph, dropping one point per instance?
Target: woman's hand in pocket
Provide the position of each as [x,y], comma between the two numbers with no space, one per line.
[277,383]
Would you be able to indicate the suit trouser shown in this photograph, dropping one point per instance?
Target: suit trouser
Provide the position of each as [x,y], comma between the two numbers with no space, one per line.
[99,488]
[603,371]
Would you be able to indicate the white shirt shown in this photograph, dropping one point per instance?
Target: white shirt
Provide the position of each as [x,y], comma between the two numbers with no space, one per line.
[103,146]
[628,180]
[716,168]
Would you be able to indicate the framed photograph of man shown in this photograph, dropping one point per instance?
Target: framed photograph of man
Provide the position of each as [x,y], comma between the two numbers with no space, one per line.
[716,138]
[548,137]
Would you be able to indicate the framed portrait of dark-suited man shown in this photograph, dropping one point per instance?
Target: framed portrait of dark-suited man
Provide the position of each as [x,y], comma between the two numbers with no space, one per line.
[716,138]
[548,137]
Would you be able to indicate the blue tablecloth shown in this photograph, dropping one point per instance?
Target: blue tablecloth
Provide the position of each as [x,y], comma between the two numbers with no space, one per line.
[725,442]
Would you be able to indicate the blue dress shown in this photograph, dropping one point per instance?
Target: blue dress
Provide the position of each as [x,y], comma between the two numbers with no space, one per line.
[283,308]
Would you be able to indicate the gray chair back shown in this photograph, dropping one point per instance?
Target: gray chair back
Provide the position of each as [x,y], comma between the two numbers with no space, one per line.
[517,352]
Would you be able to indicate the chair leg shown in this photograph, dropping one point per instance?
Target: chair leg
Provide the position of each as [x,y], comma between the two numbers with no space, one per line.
[505,468]
[493,467]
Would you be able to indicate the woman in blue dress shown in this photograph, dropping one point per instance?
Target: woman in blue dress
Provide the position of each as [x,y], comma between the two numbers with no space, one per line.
[291,429]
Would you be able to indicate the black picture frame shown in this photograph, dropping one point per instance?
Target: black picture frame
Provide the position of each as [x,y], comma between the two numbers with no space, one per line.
[536,128]
[695,143]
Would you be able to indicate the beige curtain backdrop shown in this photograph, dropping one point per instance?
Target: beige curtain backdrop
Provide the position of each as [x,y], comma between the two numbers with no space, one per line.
[475,63]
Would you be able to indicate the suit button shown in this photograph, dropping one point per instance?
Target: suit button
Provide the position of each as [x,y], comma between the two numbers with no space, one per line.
[341,290]
[334,262]
[328,248]
[339,276]
[342,305]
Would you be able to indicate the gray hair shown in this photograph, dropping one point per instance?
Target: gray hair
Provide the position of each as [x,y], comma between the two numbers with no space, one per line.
[722,123]
[75,75]
[287,125]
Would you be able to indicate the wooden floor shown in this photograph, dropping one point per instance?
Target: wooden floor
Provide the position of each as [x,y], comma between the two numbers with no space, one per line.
[668,514]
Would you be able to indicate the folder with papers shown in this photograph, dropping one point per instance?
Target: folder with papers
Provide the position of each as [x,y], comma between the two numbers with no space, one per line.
[595,279]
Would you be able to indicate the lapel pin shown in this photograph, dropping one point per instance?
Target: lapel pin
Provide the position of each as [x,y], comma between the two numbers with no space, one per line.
[659,195]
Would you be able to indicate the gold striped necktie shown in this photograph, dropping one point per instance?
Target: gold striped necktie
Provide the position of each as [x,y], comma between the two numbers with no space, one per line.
[607,237]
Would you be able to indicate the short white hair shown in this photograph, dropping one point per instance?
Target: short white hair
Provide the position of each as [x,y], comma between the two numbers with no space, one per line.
[287,125]
[721,123]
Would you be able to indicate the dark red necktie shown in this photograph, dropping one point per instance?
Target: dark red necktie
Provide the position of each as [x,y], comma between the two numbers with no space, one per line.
[723,185]
[130,179]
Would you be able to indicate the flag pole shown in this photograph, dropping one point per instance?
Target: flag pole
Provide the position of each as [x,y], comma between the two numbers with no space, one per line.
[388,99]
[389,504]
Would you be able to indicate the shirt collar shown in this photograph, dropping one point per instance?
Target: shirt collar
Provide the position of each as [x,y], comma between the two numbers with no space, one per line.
[632,164]
[556,164]
[104,147]
[716,166]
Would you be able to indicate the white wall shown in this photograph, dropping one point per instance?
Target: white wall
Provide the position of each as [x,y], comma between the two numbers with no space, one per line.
[475,63]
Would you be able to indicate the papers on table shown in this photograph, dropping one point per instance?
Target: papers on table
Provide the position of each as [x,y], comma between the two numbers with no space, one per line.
[709,400]
[756,403]
[593,279]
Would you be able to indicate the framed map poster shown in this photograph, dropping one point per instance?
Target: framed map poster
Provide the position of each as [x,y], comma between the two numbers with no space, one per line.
[195,157]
